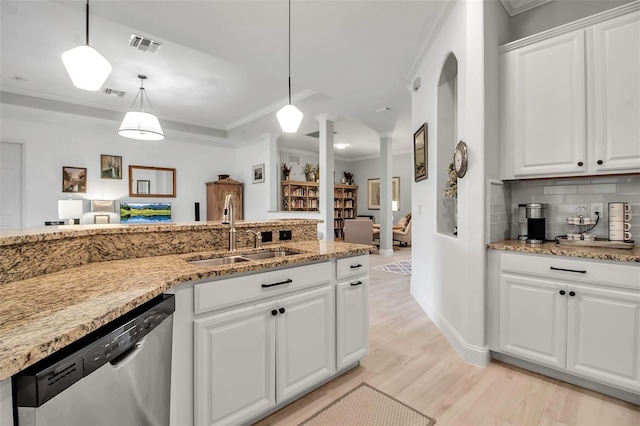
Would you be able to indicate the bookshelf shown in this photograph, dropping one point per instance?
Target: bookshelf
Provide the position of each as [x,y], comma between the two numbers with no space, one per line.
[300,196]
[345,206]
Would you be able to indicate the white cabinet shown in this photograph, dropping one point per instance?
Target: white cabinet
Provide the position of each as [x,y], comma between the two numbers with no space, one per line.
[235,364]
[546,106]
[352,305]
[570,100]
[533,320]
[616,94]
[604,338]
[306,349]
[578,316]
[249,359]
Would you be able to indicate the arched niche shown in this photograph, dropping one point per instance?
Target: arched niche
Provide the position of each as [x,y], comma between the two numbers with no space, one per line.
[447,136]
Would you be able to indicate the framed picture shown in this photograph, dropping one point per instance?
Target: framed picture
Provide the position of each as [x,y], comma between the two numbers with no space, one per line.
[110,167]
[258,173]
[74,179]
[373,193]
[420,153]
[144,186]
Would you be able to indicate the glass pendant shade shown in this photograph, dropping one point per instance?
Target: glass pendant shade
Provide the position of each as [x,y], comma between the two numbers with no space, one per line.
[141,125]
[290,118]
[87,68]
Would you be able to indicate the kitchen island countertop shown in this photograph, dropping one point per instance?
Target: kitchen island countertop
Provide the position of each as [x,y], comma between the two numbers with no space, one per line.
[43,314]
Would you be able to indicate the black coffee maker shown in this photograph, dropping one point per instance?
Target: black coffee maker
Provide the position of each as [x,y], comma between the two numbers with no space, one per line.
[536,226]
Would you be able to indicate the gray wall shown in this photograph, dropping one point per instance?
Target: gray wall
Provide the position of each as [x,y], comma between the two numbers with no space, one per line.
[402,167]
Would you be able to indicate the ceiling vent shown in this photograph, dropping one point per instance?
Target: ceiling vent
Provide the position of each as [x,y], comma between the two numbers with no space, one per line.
[114,92]
[144,44]
[316,134]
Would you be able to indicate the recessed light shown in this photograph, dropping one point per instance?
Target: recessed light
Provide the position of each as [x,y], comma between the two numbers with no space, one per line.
[340,145]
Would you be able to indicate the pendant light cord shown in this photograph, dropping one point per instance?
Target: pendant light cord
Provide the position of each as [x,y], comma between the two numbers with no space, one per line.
[87,36]
[289,50]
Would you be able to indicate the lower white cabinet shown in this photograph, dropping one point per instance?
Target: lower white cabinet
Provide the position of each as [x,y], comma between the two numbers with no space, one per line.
[250,359]
[576,316]
[353,320]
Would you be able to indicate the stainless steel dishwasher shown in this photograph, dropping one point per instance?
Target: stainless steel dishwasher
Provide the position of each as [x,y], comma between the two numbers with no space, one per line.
[118,375]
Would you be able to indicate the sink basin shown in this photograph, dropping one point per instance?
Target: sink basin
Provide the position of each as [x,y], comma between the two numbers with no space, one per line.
[236,258]
[269,254]
[217,261]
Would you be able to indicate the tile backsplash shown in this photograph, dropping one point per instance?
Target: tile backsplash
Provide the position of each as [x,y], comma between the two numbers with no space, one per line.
[565,195]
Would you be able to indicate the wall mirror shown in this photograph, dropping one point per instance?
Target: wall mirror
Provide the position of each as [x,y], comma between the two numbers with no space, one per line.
[145,181]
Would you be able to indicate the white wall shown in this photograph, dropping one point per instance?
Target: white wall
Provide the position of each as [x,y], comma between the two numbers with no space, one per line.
[256,195]
[448,277]
[401,166]
[52,140]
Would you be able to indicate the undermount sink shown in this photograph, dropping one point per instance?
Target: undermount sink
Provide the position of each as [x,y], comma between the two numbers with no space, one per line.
[236,258]
[217,261]
[268,254]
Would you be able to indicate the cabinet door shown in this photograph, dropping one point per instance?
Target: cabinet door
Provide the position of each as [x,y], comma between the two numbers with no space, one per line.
[352,321]
[533,319]
[234,365]
[616,81]
[306,340]
[549,106]
[604,336]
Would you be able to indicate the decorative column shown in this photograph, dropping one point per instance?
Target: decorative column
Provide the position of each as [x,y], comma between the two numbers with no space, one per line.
[272,173]
[326,175]
[386,218]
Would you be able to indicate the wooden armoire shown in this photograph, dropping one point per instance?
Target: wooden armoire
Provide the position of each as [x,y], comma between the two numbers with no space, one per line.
[217,192]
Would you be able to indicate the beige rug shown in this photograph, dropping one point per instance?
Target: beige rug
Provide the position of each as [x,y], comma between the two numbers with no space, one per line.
[366,405]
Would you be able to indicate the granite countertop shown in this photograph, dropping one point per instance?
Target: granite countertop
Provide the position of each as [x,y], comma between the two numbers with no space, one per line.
[41,315]
[620,255]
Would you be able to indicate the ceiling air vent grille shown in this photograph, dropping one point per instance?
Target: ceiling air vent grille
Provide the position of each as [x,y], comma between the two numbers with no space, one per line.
[143,43]
[114,92]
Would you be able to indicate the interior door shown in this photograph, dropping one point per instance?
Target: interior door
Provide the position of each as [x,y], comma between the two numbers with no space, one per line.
[10,185]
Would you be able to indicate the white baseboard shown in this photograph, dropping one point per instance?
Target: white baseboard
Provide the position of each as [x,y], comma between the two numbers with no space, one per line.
[386,252]
[472,354]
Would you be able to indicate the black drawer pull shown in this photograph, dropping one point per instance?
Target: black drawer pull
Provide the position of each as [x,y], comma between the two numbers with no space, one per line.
[572,293]
[282,310]
[356,266]
[289,281]
[356,283]
[274,312]
[562,292]
[568,270]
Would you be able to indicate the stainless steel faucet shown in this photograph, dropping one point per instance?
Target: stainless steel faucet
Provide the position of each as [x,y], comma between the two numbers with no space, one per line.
[258,243]
[228,219]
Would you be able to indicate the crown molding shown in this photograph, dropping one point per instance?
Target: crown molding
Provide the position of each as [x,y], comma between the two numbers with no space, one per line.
[572,26]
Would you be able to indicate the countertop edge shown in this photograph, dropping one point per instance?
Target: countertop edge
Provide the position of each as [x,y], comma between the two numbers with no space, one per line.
[597,253]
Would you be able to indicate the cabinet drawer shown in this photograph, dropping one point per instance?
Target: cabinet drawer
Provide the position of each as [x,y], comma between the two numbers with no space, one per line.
[352,266]
[232,291]
[584,271]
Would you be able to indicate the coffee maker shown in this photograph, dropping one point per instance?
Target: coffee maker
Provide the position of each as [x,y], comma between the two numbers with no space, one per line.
[536,227]
[520,220]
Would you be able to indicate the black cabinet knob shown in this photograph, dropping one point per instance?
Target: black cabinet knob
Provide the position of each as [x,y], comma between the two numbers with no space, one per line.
[274,312]
[572,293]
[282,311]
[599,162]
[562,292]
[580,163]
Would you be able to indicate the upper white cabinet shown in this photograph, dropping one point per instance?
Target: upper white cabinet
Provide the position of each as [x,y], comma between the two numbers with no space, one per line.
[616,94]
[570,100]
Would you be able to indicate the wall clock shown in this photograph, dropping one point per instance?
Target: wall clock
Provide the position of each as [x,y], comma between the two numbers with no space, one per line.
[460,159]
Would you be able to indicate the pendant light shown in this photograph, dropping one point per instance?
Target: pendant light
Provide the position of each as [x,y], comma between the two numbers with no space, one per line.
[87,68]
[289,116]
[139,124]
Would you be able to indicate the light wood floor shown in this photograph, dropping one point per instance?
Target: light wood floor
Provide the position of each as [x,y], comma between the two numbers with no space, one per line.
[412,361]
